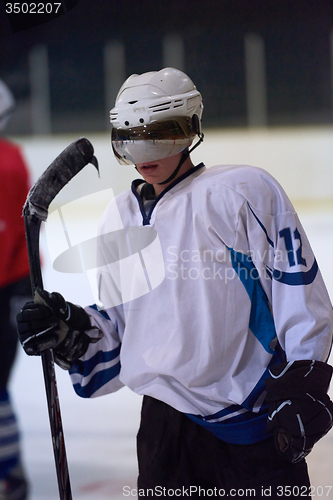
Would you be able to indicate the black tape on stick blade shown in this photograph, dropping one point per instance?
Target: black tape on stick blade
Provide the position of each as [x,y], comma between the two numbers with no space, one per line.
[76,156]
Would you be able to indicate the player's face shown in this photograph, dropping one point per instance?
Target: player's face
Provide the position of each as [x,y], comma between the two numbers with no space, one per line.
[158,171]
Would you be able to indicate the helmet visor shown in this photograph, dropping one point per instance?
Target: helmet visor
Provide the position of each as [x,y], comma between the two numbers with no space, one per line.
[154,141]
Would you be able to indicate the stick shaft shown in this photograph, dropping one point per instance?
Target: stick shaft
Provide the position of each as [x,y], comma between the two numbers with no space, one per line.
[73,159]
[32,230]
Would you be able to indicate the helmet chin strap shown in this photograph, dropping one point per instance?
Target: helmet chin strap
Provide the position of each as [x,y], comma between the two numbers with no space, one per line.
[183,158]
[185,155]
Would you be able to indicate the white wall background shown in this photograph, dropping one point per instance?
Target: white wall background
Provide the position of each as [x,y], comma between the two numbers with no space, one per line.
[301,159]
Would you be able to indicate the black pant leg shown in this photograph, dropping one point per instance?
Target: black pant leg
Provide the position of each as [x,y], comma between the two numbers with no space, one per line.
[177,454]
[8,338]
[12,298]
[259,468]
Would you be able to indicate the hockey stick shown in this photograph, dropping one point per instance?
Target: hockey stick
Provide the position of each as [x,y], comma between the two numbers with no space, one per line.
[76,156]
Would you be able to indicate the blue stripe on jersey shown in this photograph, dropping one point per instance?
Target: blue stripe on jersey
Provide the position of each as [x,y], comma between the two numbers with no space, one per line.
[238,424]
[86,367]
[261,225]
[261,319]
[97,381]
[294,279]
[101,311]
[226,413]
[238,430]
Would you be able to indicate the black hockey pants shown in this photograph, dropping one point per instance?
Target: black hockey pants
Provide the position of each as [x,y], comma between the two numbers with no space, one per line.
[12,298]
[179,458]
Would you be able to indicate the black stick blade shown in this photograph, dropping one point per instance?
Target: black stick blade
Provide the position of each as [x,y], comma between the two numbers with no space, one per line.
[73,159]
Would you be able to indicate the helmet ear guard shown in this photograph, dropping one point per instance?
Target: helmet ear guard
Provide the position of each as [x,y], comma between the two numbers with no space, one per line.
[196,125]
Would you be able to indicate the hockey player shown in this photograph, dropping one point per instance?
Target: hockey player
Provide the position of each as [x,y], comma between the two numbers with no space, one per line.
[218,314]
[14,292]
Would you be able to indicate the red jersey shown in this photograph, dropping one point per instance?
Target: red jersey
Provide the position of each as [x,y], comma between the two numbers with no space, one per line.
[14,182]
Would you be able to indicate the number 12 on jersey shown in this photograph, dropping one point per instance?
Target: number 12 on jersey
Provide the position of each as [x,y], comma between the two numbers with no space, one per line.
[289,241]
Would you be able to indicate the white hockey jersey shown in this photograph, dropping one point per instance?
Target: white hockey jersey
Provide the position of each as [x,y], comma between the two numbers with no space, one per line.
[202,294]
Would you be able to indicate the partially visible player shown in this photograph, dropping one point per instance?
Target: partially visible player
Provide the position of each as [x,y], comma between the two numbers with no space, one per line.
[14,292]
[230,350]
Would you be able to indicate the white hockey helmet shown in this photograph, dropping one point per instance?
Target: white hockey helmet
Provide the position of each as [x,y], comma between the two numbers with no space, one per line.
[7,103]
[156,115]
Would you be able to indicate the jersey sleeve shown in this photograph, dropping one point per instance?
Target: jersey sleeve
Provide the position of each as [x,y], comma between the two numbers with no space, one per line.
[97,372]
[287,269]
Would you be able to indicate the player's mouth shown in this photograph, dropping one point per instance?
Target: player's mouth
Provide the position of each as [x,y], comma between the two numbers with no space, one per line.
[148,169]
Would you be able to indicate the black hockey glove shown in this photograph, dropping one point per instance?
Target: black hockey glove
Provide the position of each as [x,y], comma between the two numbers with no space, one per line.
[300,411]
[53,323]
